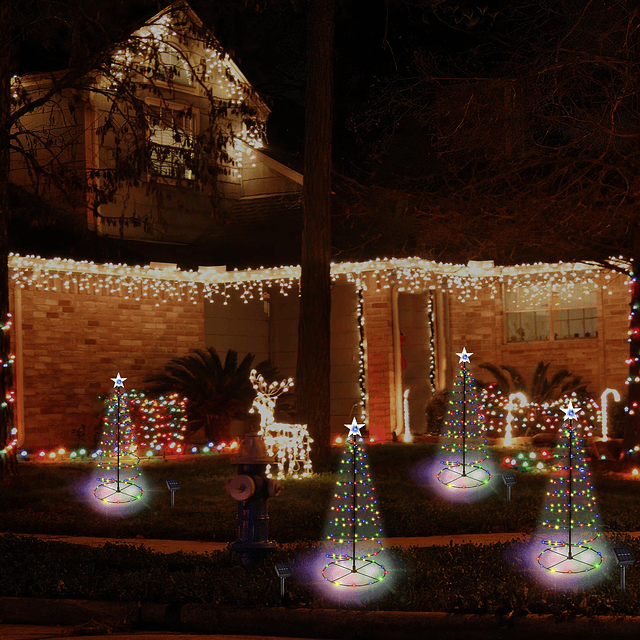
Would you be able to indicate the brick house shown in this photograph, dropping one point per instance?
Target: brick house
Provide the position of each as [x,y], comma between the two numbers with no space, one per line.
[195,100]
[77,324]
[396,324]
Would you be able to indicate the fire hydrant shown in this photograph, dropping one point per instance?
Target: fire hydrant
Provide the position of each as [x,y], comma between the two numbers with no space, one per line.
[251,488]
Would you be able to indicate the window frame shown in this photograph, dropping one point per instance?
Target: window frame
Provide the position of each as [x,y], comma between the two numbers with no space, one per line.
[551,311]
[194,118]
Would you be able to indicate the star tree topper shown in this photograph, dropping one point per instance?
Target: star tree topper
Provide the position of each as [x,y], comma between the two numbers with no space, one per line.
[464,356]
[354,428]
[570,413]
[118,381]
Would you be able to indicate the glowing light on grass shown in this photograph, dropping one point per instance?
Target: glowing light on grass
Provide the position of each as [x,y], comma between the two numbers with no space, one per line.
[604,405]
[523,402]
[118,461]
[570,524]
[289,444]
[463,466]
[354,528]
[405,410]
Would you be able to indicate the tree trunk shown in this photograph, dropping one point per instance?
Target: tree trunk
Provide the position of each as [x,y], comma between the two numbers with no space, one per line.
[7,460]
[632,427]
[313,366]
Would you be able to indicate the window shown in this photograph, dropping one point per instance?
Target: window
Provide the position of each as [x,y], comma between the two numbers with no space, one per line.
[174,67]
[542,312]
[171,137]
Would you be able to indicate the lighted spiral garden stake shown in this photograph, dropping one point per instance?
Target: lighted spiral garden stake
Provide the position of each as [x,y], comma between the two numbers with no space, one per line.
[118,459]
[570,524]
[463,442]
[355,523]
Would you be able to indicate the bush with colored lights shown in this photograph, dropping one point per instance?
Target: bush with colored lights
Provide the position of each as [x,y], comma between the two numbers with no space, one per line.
[535,418]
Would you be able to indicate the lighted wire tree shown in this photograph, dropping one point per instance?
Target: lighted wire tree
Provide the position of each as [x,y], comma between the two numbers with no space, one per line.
[355,527]
[462,465]
[570,516]
[117,458]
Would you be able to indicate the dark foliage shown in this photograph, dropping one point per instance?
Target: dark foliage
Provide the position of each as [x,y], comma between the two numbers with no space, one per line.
[216,393]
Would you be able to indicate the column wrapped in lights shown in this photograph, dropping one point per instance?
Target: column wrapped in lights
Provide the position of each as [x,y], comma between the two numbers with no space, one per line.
[570,519]
[117,457]
[464,452]
[7,399]
[354,528]
[362,356]
[432,342]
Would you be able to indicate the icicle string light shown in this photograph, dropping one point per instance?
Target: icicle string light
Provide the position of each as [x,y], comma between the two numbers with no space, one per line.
[169,283]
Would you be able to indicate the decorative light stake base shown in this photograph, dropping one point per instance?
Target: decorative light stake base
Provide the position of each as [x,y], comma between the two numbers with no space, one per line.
[568,559]
[346,572]
[110,491]
[463,476]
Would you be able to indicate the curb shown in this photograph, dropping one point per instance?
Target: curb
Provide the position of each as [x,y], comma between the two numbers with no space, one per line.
[339,624]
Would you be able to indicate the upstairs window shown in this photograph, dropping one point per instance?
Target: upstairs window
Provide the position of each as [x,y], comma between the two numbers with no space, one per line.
[173,67]
[545,312]
[171,134]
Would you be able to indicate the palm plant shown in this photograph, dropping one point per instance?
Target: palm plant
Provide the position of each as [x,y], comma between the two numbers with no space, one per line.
[216,393]
[509,380]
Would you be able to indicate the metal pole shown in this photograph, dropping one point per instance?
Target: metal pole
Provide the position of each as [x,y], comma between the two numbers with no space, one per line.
[570,556]
[172,492]
[622,577]
[118,439]
[508,493]
[355,530]
[281,588]
[464,419]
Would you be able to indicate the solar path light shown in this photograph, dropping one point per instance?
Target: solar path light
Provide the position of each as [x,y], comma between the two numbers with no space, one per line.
[509,479]
[173,486]
[283,571]
[625,559]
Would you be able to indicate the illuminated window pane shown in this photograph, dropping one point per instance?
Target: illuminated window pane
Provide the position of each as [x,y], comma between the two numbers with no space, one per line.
[527,326]
[530,309]
[174,68]
[171,138]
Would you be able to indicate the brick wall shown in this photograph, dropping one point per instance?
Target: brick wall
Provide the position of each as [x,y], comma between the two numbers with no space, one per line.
[478,325]
[72,344]
[378,326]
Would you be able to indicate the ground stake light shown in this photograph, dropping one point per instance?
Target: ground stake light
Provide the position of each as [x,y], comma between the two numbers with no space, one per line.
[571,505]
[118,458]
[355,525]
[624,558]
[464,443]
[509,479]
[173,486]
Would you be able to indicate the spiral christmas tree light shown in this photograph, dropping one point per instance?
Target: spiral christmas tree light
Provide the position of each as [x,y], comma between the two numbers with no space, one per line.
[464,445]
[118,459]
[570,523]
[355,527]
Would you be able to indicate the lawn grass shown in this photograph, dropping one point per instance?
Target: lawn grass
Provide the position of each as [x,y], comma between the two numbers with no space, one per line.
[48,498]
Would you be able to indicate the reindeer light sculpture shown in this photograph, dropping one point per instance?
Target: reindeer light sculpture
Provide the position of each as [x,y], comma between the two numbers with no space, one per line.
[290,444]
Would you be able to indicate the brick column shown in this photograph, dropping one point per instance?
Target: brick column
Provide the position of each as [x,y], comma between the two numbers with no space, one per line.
[378,326]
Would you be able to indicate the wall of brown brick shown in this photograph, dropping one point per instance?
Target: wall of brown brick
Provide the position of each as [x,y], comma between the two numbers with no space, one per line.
[73,344]
[378,326]
[478,325]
